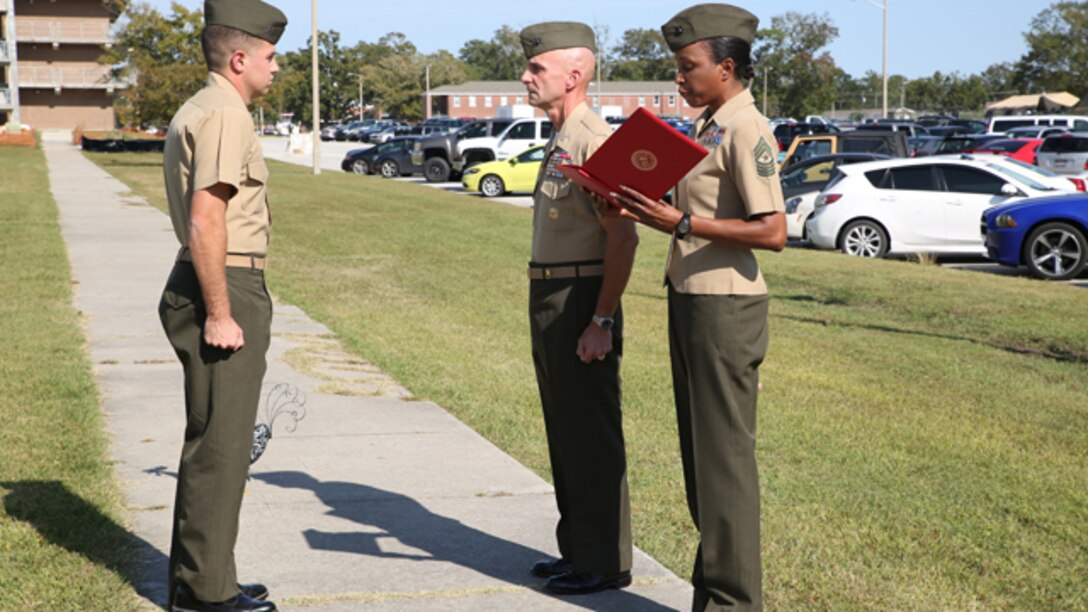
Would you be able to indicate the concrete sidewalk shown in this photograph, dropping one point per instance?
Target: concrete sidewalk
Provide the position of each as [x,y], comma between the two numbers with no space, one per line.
[373,502]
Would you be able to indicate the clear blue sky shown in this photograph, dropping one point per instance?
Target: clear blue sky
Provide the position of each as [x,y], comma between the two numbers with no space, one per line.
[924,35]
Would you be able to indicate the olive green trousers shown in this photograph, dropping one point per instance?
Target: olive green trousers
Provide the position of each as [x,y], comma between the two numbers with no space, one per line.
[222,392]
[584,424]
[717,343]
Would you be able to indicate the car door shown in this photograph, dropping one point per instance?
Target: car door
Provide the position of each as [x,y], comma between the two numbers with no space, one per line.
[806,176]
[523,174]
[969,192]
[519,137]
[913,207]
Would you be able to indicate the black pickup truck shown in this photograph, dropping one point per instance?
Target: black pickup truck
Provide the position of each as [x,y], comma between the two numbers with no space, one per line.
[438,154]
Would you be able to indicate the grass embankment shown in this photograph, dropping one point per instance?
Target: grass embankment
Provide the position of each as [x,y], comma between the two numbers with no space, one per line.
[61,546]
[922,431]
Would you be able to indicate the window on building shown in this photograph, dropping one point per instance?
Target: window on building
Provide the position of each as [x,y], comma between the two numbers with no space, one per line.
[502,101]
[487,101]
[518,100]
[657,100]
[472,101]
[672,101]
[642,100]
[456,101]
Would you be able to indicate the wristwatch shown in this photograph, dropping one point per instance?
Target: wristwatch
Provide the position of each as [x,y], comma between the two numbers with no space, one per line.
[604,323]
[683,227]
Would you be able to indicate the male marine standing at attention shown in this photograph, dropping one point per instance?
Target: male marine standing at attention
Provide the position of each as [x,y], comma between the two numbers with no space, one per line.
[581,261]
[215,308]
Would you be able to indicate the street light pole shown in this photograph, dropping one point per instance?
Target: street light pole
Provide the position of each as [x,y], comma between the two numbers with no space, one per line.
[316,91]
[884,7]
[427,113]
[360,96]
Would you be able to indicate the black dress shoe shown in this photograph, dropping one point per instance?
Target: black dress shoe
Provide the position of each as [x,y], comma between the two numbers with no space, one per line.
[577,583]
[551,567]
[185,601]
[254,591]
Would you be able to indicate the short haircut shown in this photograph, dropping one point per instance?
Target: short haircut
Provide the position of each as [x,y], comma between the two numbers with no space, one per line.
[736,49]
[220,42]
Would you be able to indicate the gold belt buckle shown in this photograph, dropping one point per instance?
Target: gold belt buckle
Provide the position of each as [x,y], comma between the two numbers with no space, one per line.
[547,273]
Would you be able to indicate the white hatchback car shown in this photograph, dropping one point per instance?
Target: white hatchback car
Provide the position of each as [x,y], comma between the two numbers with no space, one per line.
[920,205]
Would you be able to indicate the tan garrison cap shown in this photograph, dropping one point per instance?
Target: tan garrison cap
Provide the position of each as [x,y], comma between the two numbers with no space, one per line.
[253,17]
[704,21]
[543,37]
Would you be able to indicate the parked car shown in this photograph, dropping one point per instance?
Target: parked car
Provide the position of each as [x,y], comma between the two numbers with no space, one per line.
[958,144]
[498,177]
[1017,148]
[1004,123]
[615,122]
[329,131]
[922,146]
[345,131]
[1065,154]
[1041,175]
[391,159]
[892,144]
[1046,235]
[1035,131]
[945,131]
[438,153]
[920,205]
[518,136]
[803,181]
[785,133]
[912,129]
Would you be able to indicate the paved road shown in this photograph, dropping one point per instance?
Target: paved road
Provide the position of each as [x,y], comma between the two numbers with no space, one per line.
[374,501]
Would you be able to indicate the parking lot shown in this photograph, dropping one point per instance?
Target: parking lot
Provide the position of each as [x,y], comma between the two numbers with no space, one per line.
[276,147]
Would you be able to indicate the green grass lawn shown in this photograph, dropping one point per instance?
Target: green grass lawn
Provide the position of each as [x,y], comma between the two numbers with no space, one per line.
[62,546]
[923,432]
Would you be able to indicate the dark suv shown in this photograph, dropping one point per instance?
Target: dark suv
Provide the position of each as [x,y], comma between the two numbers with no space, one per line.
[437,154]
[784,133]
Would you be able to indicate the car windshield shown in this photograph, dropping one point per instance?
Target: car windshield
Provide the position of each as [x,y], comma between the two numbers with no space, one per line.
[1026,166]
[1030,182]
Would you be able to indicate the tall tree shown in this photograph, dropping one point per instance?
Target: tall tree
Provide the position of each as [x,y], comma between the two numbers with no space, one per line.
[498,59]
[160,57]
[1057,56]
[800,73]
[642,55]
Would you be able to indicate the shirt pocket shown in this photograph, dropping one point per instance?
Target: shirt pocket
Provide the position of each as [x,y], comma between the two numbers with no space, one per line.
[256,173]
[557,207]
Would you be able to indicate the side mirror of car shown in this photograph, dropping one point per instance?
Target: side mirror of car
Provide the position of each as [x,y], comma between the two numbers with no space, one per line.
[1010,190]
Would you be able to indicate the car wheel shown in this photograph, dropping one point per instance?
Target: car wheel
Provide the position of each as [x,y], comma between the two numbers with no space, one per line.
[360,166]
[389,169]
[437,170]
[864,239]
[1055,251]
[492,186]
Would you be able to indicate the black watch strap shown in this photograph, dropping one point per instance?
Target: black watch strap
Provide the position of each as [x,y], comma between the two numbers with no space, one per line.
[683,227]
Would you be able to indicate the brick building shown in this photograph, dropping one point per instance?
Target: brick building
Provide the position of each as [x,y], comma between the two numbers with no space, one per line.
[482,98]
[49,74]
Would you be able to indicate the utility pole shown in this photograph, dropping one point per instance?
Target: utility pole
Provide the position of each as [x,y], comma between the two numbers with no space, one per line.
[765,70]
[360,96]
[427,108]
[316,114]
[884,7]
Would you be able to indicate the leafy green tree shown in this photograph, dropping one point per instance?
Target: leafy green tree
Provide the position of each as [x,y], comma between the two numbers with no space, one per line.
[161,58]
[1057,56]
[498,59]
[642,55]
[800,74]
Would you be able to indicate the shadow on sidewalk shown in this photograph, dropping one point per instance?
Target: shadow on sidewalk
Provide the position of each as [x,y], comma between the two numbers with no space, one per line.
[439,538]
[70,522]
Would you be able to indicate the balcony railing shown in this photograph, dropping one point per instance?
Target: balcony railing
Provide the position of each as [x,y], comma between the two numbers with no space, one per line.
[5,98]
[68,78]
[85,32]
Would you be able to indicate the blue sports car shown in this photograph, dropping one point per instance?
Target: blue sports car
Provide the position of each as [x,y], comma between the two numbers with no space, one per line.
[1045,234]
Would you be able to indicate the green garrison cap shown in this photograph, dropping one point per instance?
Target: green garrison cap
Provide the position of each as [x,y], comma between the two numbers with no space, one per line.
[543,37]
[704,21]
[253,17]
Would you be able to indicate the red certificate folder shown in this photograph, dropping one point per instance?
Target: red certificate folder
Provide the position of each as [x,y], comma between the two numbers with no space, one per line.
[645,153]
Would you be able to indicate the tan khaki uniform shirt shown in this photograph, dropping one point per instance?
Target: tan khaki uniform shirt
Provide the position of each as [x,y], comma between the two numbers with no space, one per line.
[566,220]
[212,140]
[736,180]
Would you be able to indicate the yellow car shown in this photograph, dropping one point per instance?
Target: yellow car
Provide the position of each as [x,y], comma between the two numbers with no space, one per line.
[498,177]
